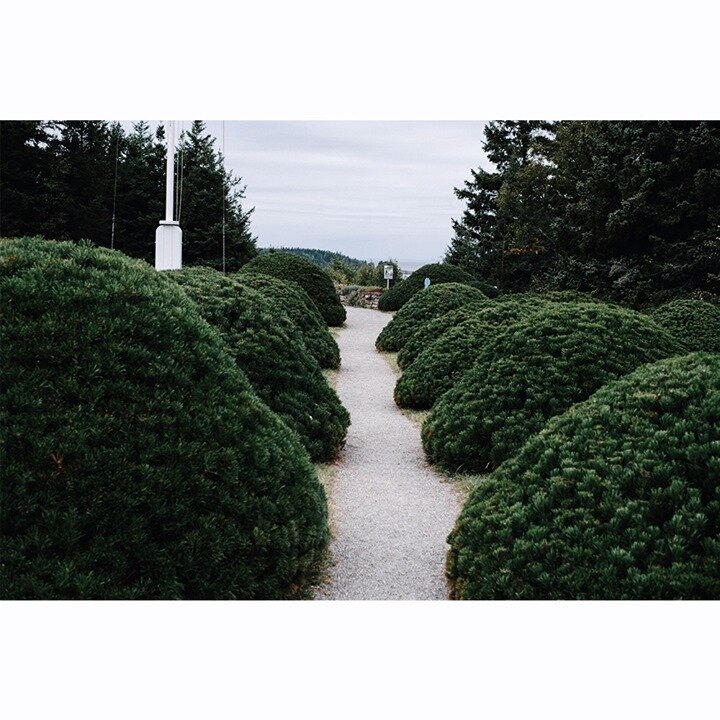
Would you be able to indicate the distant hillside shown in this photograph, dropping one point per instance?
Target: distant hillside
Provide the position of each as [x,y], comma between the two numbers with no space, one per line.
[320,257]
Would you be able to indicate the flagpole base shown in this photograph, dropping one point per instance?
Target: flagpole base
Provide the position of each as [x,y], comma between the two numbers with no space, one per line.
[168,246]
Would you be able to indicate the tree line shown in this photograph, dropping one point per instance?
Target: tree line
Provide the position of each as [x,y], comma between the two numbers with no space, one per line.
[75,180]
[322,258]
[627,210]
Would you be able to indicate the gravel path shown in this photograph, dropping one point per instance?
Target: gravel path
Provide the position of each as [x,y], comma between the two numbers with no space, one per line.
[390,511]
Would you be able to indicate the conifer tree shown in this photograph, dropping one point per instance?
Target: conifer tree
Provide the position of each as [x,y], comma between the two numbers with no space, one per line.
[79,183]
[23,160]
[140,192]
[205,182]
[502,235]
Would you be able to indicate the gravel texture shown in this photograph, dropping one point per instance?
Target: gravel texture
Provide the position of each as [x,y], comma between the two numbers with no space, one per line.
[390,511]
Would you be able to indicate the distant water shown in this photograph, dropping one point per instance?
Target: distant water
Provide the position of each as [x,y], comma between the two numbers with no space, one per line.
[412,265]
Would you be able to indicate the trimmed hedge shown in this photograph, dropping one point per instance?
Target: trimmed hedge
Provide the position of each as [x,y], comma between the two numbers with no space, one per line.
[695,323]
[397,296]
[445,361]
[536,369]
[301,310]
[566,296]
[312,279]
[427,332]
[270,350]
[618,498]
[136,462]
[424,307]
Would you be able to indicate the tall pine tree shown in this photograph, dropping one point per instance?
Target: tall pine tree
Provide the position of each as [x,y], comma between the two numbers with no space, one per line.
[205,183]
[80,181]
[505,230]
[140,192]
[23,173]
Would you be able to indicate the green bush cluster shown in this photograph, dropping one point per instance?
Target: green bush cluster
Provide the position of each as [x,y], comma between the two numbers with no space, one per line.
[424,307]
[270,350]
[696,323]
[397,296]
[534,370]
[301,310]
[564,296]
[618,498]
[312,279]
[135,459]
[426,333]
[439,367]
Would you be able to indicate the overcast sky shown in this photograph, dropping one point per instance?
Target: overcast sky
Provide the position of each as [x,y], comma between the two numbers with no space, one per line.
[371,190]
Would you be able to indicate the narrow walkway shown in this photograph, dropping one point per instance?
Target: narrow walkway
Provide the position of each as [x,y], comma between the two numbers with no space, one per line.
[390,511]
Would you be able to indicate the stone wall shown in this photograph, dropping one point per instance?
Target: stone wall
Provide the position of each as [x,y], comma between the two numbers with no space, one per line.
[357,296]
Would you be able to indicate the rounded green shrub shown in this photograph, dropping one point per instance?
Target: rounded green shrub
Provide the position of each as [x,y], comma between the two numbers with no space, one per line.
[271,352]
[695,323]
[618,498]
[424,307]
[445,361]
[135,459]
[427,332]
[534,370]
[397,296]
[312,279]
[566,296]
[301,310]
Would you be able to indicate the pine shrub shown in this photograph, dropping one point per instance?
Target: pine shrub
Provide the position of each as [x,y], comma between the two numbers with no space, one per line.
[135,459]
[397,296]
[617,498]
[301,310]
[565,296]
[445,361]
[424,307]
[271,352]
[696,323]
[311,278]
[534,370]
[426,333]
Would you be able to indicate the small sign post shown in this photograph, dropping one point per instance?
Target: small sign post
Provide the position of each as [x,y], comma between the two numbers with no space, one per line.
[389,272]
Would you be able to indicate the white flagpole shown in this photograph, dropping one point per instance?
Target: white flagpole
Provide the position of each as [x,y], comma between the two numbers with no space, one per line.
[168,236]
[169,171]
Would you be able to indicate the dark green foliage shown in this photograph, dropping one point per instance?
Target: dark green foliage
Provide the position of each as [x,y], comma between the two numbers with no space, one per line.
[695,323]
[314,281]
[76,193]
[426,333]
[135,460]
[536,369]
[505,234]
[565,296]
[301,310]
[629,210]
[23,166]
[205,182]
[140,201]
[438,273]
[321,258]
[64,179]
[445,361]
[424,307]
[618,498]
[270,350]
